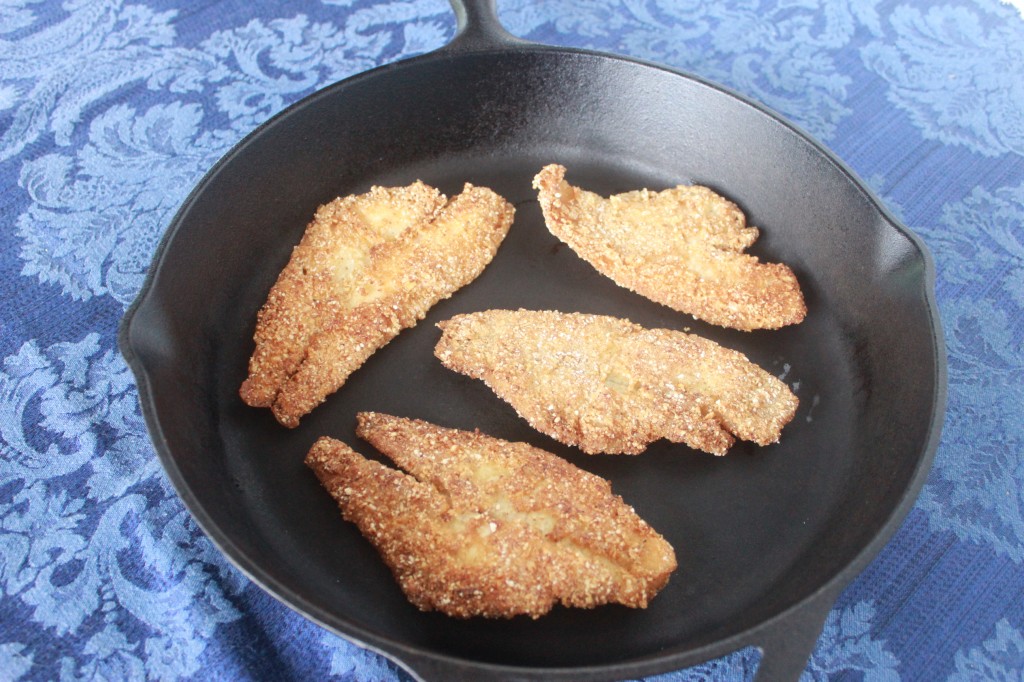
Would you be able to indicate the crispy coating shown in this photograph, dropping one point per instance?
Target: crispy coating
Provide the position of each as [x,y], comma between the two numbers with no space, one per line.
[682,247]
[367,267]
[610,386]
[483,527]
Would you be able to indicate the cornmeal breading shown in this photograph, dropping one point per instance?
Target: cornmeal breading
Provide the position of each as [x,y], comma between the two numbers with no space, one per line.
[484,527]
[607,385]
[367,267]
[682,247]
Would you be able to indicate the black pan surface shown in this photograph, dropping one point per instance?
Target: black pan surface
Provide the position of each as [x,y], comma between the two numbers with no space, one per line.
[766,537]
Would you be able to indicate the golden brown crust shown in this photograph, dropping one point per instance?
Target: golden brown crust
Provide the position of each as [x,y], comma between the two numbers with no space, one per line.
[367,267]
[682,247]
[610,386]
[483,527]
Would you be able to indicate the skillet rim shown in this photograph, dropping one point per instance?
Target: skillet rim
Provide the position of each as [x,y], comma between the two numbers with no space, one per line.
[821,598]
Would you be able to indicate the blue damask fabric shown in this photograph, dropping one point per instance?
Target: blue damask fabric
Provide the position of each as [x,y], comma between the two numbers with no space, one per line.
[111,110]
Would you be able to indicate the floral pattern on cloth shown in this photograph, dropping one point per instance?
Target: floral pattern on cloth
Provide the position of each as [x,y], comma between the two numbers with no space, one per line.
[999,658]
[112,110]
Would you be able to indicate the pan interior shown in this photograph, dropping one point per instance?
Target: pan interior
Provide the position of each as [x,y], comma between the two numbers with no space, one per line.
[755,532]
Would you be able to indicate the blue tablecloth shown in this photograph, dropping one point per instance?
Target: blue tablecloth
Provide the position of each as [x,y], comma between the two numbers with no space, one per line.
[111,110]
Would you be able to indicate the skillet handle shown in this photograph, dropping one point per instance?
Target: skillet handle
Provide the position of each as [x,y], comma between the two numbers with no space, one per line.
[478,28]
[427,669]
[787,643]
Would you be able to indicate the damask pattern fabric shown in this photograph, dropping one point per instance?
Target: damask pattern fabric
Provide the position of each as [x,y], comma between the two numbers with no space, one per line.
[111,110]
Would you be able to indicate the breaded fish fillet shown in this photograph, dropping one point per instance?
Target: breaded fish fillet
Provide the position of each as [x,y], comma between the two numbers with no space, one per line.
[483,527]
[681,247]
[367,267]
[610,386]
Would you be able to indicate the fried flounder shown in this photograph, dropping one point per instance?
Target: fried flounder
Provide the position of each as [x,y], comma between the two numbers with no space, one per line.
[607,385]
[367,267]
[484,527]
[682,247]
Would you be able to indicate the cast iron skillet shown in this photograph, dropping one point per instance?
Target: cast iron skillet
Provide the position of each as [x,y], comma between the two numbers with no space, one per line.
[766,537]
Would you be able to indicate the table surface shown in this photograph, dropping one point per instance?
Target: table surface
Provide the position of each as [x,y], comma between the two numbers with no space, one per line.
[111,110]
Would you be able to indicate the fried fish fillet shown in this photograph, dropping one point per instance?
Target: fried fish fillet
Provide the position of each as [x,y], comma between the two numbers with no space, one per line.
[610,386]
[367,267]
[682,247]
[483,527]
